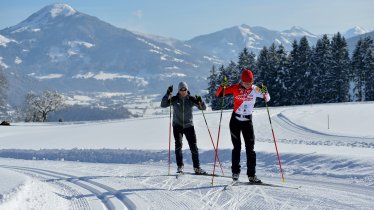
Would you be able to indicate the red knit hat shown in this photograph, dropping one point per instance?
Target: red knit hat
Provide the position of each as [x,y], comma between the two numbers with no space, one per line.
[247,76]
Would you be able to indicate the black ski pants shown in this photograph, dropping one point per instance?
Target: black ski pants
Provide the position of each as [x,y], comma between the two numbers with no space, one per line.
[246,128]
[190,134]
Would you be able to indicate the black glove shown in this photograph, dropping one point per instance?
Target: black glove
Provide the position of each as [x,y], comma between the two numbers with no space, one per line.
[198,99]
[169,90]
[263,89]
[225,83]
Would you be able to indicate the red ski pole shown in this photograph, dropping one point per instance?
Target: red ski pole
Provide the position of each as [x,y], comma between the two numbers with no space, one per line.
[211,138]
[275,142]
[219,130]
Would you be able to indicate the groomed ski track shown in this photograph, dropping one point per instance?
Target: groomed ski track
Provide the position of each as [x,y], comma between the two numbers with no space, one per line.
[148,187]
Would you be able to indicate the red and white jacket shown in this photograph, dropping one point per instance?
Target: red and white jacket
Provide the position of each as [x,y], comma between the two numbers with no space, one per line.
[244,99]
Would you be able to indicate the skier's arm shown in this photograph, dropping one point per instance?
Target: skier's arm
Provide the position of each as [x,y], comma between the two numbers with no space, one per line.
[165,102]
[198,102]
[228,90]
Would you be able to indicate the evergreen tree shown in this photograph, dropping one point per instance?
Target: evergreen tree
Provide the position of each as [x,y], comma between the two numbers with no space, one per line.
[305,83]
[300,79]
[263,67]
[228,100]
[357,73]
[213,86]
[340,68]
[323,75]
[363,69]
[272,75]
[247,60]
[369,68]
[279,89]
[291,82]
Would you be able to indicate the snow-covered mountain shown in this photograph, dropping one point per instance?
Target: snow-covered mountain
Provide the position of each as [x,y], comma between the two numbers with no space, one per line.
[355,31]
[228,43]
[64,49]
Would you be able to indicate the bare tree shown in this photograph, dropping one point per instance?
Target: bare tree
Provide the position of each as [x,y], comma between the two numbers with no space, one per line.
[37,107]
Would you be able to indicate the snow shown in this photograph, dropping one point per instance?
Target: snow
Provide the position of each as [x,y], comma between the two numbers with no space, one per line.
[17,60]
[334,166]
[48,76]
[2,64]
[61,9]
[4,41]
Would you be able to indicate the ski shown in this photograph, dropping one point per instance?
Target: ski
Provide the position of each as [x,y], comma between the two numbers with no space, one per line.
[179,174]
[237,183]
[192,173]
[207,174]
[228,186]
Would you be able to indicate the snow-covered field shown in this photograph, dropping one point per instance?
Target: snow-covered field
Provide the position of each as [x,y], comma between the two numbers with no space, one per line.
[326,150]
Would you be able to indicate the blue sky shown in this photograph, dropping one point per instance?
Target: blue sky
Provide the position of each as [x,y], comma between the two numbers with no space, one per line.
[184,20]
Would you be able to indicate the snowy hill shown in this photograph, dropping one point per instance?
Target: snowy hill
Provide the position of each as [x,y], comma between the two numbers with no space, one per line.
[327,150]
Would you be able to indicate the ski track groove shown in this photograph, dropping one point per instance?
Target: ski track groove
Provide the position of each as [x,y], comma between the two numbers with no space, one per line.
[302,133]
[204,196]
[102,196]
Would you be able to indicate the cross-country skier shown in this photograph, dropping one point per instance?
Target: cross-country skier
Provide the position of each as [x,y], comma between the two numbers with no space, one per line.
[182,104]
[245,95]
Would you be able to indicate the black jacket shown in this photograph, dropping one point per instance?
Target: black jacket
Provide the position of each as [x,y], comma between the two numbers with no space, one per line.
[182,109]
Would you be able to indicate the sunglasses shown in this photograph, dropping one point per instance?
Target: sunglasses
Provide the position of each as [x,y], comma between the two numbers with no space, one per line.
[182,89]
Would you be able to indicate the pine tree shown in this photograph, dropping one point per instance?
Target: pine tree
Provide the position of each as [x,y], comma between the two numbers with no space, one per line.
[305,83]
[263,67]
[368,68]
[340,68]
[300,80]
[279,89]
[247,60]
[272,75]
[293,80]
[324,78]
[213,86]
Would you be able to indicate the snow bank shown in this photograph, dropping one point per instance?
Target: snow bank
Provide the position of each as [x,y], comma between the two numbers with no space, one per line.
[33,194]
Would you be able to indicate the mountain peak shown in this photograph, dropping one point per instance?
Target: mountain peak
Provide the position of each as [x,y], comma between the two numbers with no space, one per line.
[45,16]
[58,9]
[355,31]
[297,31]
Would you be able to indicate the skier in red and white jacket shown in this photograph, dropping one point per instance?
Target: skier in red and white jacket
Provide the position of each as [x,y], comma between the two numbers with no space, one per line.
[245,95]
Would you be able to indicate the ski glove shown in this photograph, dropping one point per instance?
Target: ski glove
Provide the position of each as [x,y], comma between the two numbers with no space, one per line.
[225,83]
[169,90]
[263,89]
[198,99]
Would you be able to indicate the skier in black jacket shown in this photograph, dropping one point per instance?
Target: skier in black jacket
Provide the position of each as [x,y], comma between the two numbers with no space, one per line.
[182,104]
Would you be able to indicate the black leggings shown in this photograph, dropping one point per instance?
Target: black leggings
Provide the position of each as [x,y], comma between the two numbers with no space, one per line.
[246,127]
[191,139]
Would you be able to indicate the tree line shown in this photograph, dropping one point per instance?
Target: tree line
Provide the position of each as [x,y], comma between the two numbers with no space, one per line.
[324,73]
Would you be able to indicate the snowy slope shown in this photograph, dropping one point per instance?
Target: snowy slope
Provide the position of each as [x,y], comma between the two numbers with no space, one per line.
[334,167]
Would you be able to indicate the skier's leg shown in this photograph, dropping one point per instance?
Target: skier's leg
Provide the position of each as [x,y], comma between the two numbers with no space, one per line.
[191,138]
[249,140]
[178,137]
[236,142]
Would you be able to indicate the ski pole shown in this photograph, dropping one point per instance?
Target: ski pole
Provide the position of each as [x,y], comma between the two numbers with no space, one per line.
[211,138]
[219,130]
[169,134]
[275,142]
